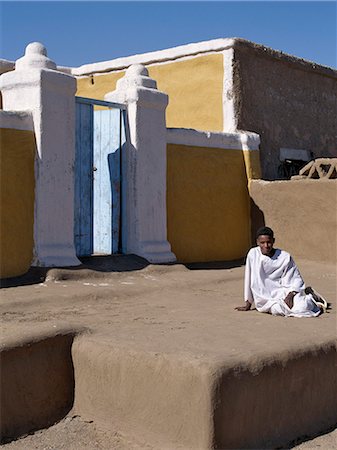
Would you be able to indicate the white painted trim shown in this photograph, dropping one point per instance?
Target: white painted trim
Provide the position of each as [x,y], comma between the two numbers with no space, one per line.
[155,57]
[229,141]
[64,69]
[194,49]
[155,63]
[16,120]
[229,119]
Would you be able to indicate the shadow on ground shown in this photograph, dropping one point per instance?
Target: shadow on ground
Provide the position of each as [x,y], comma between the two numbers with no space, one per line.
[215,265]
[93,266]
[90,266]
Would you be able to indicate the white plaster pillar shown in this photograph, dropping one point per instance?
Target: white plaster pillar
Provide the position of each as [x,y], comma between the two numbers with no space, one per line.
[37,86]
[144,176]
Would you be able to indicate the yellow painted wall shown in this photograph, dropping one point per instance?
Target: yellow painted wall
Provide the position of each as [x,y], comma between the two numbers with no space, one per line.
[253,164]
[98,85]
[195,90]
[17,183]
[207,203]
[194,87]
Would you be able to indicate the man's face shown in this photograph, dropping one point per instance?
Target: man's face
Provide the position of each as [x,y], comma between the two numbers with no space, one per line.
[266,244]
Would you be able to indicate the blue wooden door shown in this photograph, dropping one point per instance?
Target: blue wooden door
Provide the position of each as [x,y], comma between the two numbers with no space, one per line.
[97,180]
[84,180]
[106,181]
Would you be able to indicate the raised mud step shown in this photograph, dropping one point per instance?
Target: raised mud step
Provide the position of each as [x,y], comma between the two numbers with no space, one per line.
[169,362]
[36,382]
[167,399]
[182,401]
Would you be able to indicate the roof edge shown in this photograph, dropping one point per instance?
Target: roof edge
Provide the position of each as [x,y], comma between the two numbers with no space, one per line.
[181,51]
[155,56]
[214,45]
[271,53]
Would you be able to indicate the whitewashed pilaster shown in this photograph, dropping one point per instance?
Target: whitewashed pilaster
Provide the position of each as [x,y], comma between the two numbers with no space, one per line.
[144,203]
[37,86]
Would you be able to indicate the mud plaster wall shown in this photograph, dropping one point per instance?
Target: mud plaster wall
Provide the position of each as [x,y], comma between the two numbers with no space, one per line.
[302,213]
[288,103]
[207,203]
[36,385]
[17,184]
[285,390]
[194,87]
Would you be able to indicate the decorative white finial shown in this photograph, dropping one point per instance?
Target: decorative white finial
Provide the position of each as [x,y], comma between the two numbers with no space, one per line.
[36,47]
[35,58]
[137,70]
[136,75]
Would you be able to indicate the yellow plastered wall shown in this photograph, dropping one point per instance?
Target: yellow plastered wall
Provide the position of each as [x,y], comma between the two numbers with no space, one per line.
[97,86]
[194,87]
[17,184]
[253,164]
[207,203]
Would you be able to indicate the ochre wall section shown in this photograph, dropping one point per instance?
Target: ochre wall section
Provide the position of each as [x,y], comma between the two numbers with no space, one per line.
[17,183]
[302,214]
[207,203]
[96,86]
[253,164]
[194,87]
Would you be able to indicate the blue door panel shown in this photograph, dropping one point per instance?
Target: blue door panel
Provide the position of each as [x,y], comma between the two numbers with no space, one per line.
[83,180]
[100,135]
[106,180]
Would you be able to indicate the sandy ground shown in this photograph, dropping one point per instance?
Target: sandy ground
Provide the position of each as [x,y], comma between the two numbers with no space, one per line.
[156,308]
[74,434]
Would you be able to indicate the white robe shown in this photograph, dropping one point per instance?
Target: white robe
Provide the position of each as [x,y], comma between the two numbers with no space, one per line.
[268,280]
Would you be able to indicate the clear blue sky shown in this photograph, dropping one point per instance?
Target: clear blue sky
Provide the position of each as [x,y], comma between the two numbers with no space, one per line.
[80,32]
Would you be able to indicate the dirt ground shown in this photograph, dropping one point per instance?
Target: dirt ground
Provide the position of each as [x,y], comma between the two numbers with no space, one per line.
[154,307]
[73,433]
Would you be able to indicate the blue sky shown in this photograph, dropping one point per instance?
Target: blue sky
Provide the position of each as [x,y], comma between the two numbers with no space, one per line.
[80,32]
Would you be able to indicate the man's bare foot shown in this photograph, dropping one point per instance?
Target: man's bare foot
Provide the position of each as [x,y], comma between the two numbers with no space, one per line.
[244,308]
[319,300]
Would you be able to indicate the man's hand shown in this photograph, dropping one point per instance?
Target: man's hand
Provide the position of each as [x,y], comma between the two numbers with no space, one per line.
[244,308]
[289,300]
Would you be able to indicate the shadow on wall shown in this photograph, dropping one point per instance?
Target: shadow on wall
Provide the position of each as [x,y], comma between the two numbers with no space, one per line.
[257,220]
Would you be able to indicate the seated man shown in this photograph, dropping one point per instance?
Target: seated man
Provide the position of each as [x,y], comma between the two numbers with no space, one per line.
[274,283]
